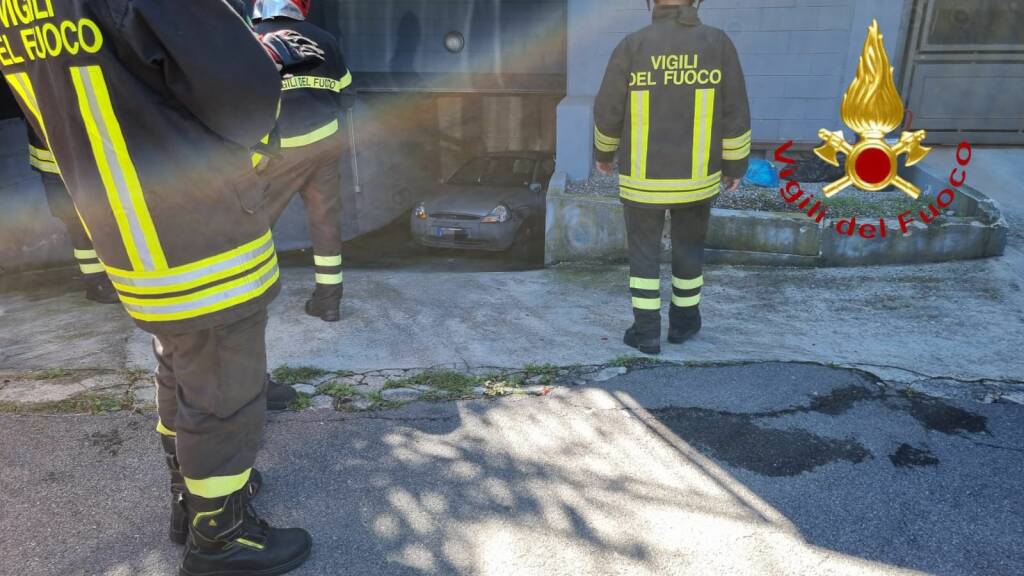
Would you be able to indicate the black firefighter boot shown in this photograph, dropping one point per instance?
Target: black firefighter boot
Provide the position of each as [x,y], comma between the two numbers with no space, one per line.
[325,303]
[684,323]
[179,515]
[279,396]
[228,539]
[645,333]
[99,289]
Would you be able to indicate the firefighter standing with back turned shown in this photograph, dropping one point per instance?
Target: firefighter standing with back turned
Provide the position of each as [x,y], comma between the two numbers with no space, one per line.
[310,147]
[97,285]
[674,106]
[138,101]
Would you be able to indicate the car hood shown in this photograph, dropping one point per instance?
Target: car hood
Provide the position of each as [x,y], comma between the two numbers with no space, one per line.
[476,200]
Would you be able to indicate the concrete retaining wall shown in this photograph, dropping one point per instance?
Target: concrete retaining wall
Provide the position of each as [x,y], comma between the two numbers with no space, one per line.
[590,228]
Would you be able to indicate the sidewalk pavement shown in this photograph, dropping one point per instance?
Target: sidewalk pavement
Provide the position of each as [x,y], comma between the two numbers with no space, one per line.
[944,323]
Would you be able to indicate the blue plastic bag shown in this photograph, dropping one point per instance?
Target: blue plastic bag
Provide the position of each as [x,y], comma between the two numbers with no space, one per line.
[761,173]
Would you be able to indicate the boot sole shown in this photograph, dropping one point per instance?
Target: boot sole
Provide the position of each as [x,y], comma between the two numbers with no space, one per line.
[277,406]
[649,350]
[680,339]
[275,571]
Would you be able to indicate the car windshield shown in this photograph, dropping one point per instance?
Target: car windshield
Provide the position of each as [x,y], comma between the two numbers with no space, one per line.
[496,171]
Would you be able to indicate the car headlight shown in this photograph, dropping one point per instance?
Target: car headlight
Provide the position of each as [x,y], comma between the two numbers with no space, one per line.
[420,211]
[499,215]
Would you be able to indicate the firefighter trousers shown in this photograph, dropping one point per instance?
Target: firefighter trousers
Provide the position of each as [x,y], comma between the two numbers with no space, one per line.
[312,171]
[644,231]
[62,208]
[211,396]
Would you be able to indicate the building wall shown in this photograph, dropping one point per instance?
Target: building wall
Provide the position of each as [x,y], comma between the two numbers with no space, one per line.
[407,36]
[799,56]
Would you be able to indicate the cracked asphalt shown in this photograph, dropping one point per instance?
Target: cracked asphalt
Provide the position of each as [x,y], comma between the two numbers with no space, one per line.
[769,468]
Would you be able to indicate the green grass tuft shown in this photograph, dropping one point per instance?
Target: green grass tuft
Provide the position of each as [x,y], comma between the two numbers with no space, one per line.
[337,390]
[444,384]
[301,402]
[50,374]
[291,375]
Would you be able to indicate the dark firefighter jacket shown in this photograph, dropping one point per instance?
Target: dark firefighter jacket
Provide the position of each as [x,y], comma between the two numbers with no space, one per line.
[138,101]
[673,104]
[312,95]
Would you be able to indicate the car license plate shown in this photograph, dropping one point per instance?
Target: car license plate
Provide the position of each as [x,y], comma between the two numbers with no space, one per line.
[450,232]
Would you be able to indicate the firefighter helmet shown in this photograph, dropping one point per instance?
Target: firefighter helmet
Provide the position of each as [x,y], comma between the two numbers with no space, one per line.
[294,9]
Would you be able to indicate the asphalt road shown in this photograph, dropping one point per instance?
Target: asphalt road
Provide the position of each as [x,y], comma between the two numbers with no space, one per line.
[757,469]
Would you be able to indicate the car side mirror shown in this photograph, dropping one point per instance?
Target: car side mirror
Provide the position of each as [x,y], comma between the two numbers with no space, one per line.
[536,187]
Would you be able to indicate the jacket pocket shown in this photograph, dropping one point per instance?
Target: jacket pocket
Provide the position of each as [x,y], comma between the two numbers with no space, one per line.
[251,192]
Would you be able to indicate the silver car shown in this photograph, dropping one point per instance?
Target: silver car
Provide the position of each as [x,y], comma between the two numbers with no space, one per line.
[494,202]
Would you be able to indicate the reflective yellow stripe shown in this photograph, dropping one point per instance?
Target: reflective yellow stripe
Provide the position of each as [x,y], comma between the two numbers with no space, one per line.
[91,268]
[195,274]
[315,136]
[647,303]
[85,254]
[345,81]
[687,284]
[43,165]
[640,102]
[669,197]
[117,171]
[40,153]
[645,283]
[21,84]
[249,543]
[217,486]
[329,279]
[316,83]
[736,148]
[737,142]
[164,430]
[686,302]
[703,120]
[327,260]
[605,143]
[204,302]
[738,154]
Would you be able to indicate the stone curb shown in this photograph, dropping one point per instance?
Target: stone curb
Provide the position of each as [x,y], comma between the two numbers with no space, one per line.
[590,229]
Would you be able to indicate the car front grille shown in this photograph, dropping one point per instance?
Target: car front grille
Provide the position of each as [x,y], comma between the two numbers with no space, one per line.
[448,216]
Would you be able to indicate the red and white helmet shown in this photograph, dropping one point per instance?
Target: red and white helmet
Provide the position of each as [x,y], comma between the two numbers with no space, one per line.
[294,9]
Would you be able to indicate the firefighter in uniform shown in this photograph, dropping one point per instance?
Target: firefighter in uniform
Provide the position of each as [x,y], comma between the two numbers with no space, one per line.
[673,105]
[97,285]
[311,147]
[138,103]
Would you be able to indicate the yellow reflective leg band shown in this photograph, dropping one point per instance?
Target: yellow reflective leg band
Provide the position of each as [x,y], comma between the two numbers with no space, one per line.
[91,268]
[640,102]
[217,486]
[327,260]
[85,254]
[644,283]
[164,430]
[686,302]
[683,284]
[703,118]
[330,279]
[647,303]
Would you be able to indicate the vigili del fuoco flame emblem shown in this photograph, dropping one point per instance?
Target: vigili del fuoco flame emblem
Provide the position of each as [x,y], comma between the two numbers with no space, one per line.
[872,107]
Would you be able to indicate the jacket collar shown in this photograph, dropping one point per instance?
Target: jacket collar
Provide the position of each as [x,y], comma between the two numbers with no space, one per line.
[685,15]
